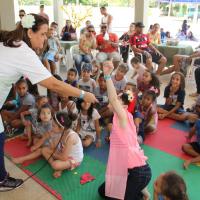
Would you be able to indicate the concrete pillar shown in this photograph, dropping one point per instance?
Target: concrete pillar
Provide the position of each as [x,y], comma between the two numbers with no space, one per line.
[8,14]
[141,12]
[58,14]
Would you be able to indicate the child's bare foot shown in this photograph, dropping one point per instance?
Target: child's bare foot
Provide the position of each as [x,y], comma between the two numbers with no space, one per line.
[17,160]
[186,164]
[57,174]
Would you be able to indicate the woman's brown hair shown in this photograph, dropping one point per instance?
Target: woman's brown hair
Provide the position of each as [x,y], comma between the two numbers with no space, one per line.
[10,38]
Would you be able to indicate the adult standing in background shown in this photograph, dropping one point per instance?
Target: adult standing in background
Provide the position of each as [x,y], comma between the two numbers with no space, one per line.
[106,19]
[42,13]
[18,58]
[22,13]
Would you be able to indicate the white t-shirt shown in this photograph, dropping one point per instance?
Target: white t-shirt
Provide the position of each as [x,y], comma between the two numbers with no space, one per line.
[17,62]
[119,85]
[88,125]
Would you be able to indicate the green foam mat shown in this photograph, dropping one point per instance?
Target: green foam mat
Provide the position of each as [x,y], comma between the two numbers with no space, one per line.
[161,162]
[68,185]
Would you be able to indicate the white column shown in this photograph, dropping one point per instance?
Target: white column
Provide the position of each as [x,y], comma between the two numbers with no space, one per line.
[8,14]
[141,11]
[58,14]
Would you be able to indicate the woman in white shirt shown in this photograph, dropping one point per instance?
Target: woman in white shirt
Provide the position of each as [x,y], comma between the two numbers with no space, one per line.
[18,58]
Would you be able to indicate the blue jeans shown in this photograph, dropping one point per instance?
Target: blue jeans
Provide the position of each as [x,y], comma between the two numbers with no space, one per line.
[79,58]
[3,172]
[138,179]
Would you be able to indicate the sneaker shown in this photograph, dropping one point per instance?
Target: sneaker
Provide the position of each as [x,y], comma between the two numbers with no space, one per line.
[10,183]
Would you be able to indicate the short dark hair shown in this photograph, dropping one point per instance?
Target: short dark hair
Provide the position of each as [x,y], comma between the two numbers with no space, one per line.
[73,70]
[150,93]
[20,81]
[42,6]
[54,23]
[103,8]
[22,11]
[135,60]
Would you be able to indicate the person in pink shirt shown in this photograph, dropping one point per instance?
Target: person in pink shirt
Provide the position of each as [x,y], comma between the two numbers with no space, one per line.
[127,172]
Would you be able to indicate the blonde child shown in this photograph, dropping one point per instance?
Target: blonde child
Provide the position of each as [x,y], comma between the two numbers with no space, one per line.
[88,124]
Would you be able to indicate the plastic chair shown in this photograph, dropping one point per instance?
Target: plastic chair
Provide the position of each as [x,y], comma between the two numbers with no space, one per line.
[190,78]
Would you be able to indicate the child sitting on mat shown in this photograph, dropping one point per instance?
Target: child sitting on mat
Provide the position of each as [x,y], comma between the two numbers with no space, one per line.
[148,81]
[25,101]
[67,151]
[175,96]
[88,124]
[170,186]
[193,148]
[41,133]
[30,118]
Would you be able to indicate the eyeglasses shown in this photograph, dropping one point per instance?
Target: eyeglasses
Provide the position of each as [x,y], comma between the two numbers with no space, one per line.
[21,15]
[103,27]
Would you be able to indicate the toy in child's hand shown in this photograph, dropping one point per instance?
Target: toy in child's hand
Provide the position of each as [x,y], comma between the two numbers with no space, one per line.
[87,177]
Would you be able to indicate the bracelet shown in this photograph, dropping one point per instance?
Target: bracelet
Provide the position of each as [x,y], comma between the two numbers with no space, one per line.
[107,77]
[82,94]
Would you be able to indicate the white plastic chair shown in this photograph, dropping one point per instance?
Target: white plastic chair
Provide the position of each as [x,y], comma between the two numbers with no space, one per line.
[190,78]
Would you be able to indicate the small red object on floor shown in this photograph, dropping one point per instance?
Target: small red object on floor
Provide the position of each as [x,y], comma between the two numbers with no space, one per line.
[87,177]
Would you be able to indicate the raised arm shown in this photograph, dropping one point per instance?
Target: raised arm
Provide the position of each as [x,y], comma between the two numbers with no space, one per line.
[112,95]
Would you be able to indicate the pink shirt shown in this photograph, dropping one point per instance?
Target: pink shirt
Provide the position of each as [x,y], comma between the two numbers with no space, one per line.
[125,153]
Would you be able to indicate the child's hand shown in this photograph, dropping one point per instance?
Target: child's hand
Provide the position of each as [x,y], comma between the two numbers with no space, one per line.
[162,116]
[108,67]
[33,148]
[98,143]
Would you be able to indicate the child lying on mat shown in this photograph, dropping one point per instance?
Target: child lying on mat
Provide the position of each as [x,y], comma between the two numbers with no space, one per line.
[68,151]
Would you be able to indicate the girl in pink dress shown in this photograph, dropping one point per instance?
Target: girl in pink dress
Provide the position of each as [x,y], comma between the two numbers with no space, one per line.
[127,172]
